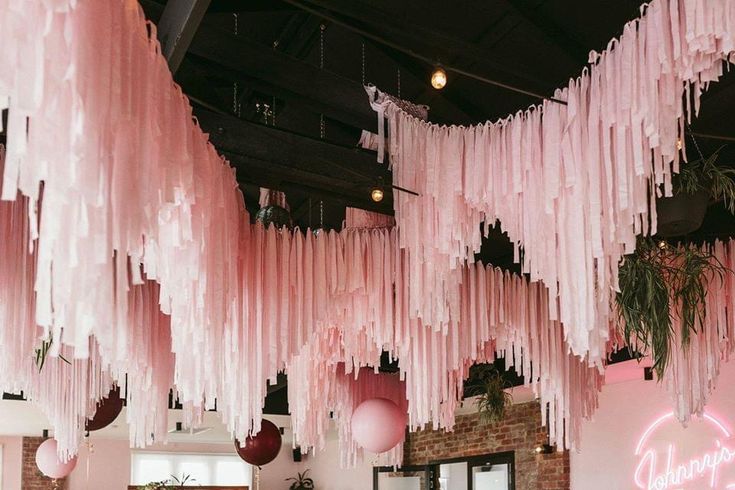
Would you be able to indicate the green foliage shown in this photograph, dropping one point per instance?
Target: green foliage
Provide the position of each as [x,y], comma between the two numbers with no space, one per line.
[705,175]
[42,353]
[301,482]
[492,399]
[660,283]
[169,484]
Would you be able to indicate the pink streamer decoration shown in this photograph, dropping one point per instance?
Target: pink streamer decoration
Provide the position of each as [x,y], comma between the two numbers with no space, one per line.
[571,184]
[131,245]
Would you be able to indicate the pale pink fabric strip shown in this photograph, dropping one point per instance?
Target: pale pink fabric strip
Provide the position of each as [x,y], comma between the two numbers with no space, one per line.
[136,253]
[573,184]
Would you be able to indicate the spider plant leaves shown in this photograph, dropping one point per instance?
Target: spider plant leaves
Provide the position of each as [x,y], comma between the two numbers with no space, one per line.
[706,175]
[659,285]
[492,399]
[301,482]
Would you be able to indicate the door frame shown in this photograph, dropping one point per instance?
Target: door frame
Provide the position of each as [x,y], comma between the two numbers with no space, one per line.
[505,457]
[425,469]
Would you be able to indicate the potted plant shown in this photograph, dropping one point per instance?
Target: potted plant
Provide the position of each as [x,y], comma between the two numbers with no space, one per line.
[492,399]
[169,484]
[657,282]
[301,481]
[698,182]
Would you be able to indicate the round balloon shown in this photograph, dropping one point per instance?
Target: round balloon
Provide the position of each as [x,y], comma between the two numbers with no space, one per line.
[378,425]
[48,461]
[262,448]
[107,411]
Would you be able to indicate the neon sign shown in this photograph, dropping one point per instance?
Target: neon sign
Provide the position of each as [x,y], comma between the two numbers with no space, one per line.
[661,469]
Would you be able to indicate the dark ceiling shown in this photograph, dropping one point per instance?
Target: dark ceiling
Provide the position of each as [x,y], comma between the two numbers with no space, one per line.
[245,54]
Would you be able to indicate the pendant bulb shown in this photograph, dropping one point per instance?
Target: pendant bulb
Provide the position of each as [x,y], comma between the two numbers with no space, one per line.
[438,78]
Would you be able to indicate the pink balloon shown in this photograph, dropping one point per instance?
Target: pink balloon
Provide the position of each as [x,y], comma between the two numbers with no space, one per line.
[378,424]
[48,461]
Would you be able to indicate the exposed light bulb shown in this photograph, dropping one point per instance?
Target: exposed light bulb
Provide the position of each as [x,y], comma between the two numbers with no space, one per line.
[438,78]
[543,449]
[377,194]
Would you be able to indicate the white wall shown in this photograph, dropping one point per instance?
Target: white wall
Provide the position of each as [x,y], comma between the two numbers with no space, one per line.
[12,458]
[323,468]
[108,464]
[607,459]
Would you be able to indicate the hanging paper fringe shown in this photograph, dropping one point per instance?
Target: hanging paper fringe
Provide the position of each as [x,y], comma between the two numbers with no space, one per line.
[572,184]
[129,244]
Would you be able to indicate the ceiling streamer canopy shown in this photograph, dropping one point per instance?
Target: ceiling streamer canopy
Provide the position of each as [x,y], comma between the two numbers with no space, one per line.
[129,246]
[572,184]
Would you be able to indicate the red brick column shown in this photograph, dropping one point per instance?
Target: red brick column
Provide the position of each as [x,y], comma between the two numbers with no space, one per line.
[32,478]
[520,432]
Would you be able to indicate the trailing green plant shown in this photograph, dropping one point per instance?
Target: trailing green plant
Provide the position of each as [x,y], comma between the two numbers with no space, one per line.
[492,400]
[301,481]
[658,283]
[705,175]
[42,353]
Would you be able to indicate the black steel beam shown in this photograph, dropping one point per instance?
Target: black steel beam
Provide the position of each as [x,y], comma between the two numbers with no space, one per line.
[281,160]
[177,26]
[415,35]
[333,95]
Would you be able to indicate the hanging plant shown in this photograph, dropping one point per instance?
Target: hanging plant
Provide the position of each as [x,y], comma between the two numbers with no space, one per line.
[706,175]
[301,482]
[492,399]
[698,183]
[658,283]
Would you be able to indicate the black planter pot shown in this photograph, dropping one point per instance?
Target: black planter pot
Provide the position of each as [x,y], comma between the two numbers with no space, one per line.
[681,213]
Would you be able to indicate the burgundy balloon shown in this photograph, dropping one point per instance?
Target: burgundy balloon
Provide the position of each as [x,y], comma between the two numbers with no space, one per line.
[263,448]
[107,411]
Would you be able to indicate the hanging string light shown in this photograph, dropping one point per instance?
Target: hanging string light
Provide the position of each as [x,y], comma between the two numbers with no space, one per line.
[276,212]
[438,77]
[377,193]
[363,62]
[236,106]
[322,125]
[398,76]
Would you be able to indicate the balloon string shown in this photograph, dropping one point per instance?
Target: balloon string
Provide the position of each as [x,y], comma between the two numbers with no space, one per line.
[89,456]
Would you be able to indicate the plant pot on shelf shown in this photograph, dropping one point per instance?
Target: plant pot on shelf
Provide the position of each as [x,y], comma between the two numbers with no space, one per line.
[681,213]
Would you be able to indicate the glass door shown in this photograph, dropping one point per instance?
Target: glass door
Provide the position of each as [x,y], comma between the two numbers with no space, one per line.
[492,472]
[406,478]
[491,477]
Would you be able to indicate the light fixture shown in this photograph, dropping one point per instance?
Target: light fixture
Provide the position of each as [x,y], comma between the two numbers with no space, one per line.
[544,449]
[438,78]
[377,193]
[679,144]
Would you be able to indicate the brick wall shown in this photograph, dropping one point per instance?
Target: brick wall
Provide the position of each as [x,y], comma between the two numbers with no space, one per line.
[32,478]
[520,432]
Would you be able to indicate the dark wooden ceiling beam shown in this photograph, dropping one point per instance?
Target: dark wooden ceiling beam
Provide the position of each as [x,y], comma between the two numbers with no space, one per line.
[434,41]
[281,160]
[336,96]
[177,26]
[236,6]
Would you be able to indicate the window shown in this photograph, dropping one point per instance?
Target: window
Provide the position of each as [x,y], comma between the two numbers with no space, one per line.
[203,469]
